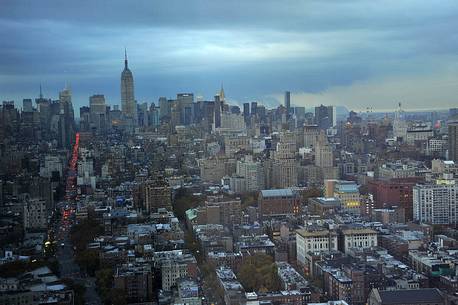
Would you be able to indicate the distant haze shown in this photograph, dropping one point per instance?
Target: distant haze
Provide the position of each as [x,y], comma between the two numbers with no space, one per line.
[353,53]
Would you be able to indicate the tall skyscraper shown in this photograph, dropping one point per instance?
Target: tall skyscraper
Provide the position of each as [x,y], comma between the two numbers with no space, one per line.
[153,116]
[254,108]
[67,118]
[44,108]
[128,104]
[324,116]
[453,141]
[288,103]
[221,94]
[27,105]
[323,152]
[85,118]
[399,124]
[98,112]
[164,107]
[217,112]
[453,113]
[97,103]
[184,103]
[324,157]
[311,133]
[246,109]
[284,167]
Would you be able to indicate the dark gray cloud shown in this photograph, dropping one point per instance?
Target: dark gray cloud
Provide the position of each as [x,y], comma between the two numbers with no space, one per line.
[257,48]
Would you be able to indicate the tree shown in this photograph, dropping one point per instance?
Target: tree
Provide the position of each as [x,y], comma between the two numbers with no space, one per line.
[208,269]
[184,200]
[193,245]
[13,269]
[104,281]
[84,233]
[88,260]
[53,264]
[249,277]
[78,290]
[116,297]
[16,268]
[311,193]
[249,199]
[81,235]
[259,273]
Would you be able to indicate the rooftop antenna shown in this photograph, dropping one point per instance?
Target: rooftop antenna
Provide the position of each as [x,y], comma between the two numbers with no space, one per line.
[67,86]
[125,57]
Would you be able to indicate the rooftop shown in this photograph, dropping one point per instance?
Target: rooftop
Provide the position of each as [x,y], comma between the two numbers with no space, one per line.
[359,231]
[413,296]
[290,276]
[277,193]
[346,186]
[312,233]
[327,200]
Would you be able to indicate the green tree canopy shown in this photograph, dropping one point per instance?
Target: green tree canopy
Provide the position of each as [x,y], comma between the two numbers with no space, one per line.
[184,200]
[259,273]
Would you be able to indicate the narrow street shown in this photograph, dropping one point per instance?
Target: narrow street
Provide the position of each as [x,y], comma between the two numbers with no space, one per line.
[67,265]
[65,254]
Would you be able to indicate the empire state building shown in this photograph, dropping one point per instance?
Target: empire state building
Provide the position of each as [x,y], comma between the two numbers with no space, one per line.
[128,104]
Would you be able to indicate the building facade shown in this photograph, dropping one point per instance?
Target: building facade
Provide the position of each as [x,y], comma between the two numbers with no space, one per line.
[128,104]
[314,241]
[278,203]
[436,203]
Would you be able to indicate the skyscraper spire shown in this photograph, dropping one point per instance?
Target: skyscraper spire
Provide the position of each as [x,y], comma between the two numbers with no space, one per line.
[125,58]
[41,92]
[128,104]
[221,93]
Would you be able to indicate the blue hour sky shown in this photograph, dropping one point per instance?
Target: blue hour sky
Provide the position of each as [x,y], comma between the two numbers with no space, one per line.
[354,53]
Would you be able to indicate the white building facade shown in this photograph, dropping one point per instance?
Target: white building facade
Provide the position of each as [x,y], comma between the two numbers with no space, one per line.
[436,203]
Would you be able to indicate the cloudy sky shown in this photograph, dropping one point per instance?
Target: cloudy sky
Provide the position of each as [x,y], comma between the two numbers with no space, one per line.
[354,53]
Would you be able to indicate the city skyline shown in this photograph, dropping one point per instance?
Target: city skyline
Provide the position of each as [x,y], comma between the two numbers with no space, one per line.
[323,52]
[213,152]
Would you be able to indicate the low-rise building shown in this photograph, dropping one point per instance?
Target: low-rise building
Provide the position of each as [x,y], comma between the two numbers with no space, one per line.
[348,194]
[222,210]
[174,265]
[292,297]
[338,285]
[234,294]
[278,203]
[310,240]
[388,216]
[135,281]
[290,278]
[324,206]
[35,216]
[357,237]
[433,265]
[232,260]
[430,296]
[255,244]
[215,168]
[188,292]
